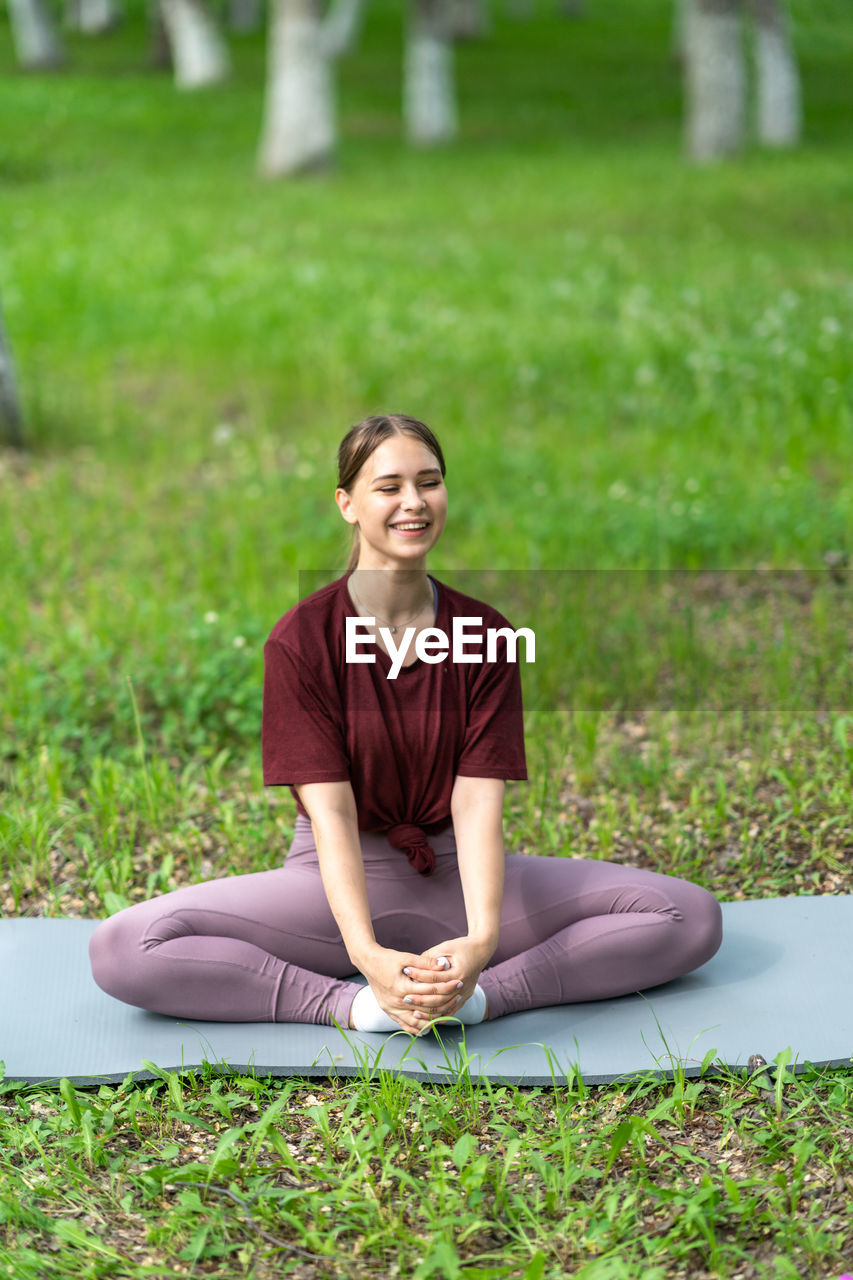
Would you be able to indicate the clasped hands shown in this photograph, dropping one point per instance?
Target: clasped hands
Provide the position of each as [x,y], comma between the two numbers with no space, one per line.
[414,990]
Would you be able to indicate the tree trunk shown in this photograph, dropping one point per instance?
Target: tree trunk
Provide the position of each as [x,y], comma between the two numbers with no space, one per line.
[245,15]
[11,422]
[429,92]
[92,17]
[715,78]
[778,94]
[300,127]
[468,19]
[159,51]
[199,54]
[34,35]
[341,28]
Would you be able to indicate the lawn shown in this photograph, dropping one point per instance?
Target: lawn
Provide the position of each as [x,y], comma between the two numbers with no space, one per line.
[641,376]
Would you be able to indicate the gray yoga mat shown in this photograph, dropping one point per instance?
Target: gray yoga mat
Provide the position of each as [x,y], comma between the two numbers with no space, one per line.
[781,980]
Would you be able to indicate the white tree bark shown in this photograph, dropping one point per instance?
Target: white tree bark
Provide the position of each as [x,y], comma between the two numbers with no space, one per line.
[429,89]
[245,15]
[715,68]
[11,430]
[199,53]
[300,124]
[34,35]
[778,94]
[342,25]
[91,16]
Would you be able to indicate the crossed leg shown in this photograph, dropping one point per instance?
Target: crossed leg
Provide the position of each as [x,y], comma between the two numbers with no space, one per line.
[266,947]
[262,947]
[575,929]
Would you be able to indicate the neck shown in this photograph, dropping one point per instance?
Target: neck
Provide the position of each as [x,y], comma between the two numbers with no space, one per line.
[391,593]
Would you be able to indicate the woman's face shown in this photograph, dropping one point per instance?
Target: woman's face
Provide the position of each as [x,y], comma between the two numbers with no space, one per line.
[399,485]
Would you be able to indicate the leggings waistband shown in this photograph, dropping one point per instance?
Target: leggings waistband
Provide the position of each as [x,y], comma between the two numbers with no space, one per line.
[375,845]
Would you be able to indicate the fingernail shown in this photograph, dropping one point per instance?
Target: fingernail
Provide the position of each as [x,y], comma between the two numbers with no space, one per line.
[409,998]
[443,962]
[407,972]
[459,986]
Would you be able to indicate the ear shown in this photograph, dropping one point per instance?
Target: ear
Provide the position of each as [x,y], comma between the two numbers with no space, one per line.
[344,502]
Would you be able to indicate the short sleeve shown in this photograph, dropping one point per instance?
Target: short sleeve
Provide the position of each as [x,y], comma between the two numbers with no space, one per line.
[493,743]
[302,737]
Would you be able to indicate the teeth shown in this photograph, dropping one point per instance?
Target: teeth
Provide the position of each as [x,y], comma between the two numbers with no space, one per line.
[409,526]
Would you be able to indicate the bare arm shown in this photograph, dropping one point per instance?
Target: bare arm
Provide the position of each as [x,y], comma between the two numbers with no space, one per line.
[476,806]
[334,819]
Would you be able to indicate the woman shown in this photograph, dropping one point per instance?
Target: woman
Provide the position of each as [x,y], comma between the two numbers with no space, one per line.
[398,868]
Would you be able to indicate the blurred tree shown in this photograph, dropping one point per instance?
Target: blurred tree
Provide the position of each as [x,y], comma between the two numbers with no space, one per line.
[429,89]
[712,36]
[34,35]
[342,27]
[779,96]
[92,17]
[300,124]
[199,53]
[11,421]
[715,67]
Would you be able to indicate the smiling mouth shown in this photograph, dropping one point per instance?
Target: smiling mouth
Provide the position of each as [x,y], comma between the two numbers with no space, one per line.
[412,526]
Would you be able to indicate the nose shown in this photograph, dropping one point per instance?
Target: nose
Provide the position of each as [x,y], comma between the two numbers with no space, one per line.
[413,499]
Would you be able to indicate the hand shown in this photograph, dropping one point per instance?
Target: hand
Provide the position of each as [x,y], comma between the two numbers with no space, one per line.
[383,969]
[467,958]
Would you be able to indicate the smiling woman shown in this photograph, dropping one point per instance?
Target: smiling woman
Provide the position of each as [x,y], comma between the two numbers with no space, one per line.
[384,507]
[382,767]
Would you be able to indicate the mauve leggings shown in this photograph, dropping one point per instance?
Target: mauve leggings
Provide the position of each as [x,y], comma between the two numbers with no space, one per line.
[266,948]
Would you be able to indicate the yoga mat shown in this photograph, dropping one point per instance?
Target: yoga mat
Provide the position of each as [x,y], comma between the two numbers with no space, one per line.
[781,980]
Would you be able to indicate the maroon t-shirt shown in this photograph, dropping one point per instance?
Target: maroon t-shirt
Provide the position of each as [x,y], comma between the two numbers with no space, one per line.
[402,742]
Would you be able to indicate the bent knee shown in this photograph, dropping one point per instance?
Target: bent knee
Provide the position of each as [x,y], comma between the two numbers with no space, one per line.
[114,948]
[705,927]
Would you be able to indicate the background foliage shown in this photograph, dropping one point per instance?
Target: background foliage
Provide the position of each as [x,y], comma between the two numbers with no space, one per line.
[641,376]
[632,364]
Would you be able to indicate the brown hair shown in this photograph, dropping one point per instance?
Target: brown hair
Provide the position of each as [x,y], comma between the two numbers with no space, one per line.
[360,441]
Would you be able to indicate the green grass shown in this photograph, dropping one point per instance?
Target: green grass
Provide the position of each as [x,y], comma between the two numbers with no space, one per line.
[641,376]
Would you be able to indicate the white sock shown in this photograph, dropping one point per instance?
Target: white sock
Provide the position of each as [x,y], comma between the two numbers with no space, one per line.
[367,1014]
[474,1008]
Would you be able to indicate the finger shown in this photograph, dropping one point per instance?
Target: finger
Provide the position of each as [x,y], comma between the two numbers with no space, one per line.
[431,976]
[430,1004]
[437,1015]
[409,1024]
[432,964]
[431,996]
[429,1014]
[418,1028]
